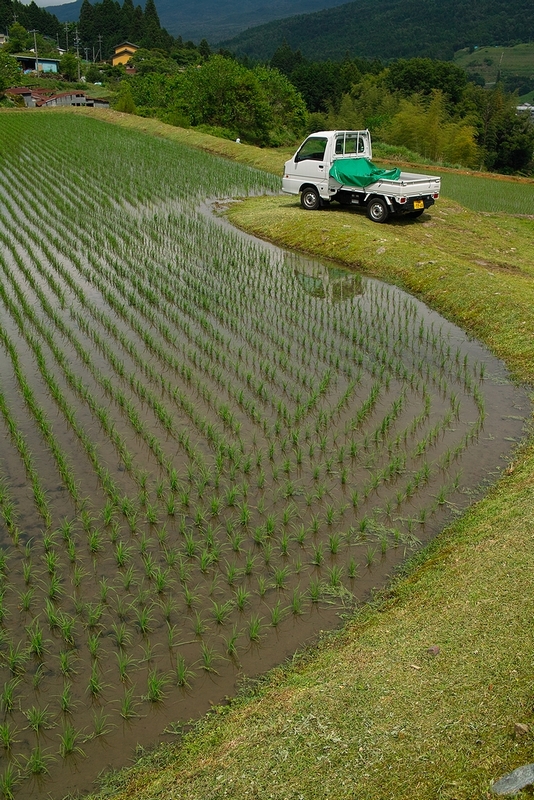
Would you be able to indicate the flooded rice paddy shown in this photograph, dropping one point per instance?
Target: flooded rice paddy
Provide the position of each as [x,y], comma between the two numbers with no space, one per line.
[209,447]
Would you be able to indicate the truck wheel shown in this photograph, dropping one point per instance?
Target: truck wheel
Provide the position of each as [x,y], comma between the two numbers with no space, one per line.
[309,199]
[415,214]
[377,210]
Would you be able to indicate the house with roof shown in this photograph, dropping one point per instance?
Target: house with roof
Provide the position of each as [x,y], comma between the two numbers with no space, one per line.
[123,53]
[28,63]
[46,98]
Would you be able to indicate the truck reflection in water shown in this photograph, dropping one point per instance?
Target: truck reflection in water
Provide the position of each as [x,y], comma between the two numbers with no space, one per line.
[330,283]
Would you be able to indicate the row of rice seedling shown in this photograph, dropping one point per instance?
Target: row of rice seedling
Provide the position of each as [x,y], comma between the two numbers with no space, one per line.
[235,439]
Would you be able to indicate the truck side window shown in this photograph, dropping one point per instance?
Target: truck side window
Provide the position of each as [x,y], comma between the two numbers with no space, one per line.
[312,149]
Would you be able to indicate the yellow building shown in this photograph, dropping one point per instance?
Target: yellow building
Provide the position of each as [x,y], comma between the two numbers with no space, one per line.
[123,53]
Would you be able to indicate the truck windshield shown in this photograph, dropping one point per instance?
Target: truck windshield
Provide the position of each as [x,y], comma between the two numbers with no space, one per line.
[312,149]
[349,144]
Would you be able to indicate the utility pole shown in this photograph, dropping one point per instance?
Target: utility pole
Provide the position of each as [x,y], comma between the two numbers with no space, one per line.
[99,47]
[77,43]
[86,51]
[35,50]
[67,37]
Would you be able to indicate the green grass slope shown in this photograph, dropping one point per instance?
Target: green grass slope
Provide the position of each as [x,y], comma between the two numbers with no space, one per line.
[499,63]
[371,713]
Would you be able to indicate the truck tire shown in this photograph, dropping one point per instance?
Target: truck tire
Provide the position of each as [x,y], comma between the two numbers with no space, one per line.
[415,214]
[377,210]
[309,199]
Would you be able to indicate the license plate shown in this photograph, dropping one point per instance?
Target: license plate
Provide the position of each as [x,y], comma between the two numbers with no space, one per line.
[418,204]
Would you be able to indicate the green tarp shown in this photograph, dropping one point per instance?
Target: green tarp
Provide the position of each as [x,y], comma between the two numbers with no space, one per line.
[360,172]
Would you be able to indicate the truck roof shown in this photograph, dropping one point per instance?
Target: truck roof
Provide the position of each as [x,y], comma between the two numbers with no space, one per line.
[330,133]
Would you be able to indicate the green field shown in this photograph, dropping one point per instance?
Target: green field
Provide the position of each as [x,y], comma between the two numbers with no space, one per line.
[489,62]
[372,712]
[207,443]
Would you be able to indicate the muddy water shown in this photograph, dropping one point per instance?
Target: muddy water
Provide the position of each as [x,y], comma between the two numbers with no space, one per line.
[323,426]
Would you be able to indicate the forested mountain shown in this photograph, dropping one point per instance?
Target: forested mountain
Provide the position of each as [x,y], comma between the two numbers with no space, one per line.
[101,25]
[393,29]
[29,16]
[116,23]
[213,19]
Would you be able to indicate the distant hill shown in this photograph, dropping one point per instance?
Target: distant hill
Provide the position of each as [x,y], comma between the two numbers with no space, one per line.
[514,66]
[212,19]
[68,12]
[393,29]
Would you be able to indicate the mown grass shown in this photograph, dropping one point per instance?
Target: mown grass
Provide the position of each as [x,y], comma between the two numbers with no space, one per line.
[370,713]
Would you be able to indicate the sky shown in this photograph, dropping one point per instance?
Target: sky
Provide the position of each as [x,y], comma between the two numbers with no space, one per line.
[42,3]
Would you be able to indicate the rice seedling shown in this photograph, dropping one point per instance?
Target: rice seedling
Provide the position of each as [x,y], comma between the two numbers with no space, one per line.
[334,575]
[125,663]
[199,626]
[128,705]
[296,603]
[66,663]
[144,619]
[93,645]
[9,780]
[370,556]
[352,568]
[280,576]
[156,687]
[94,614]
[39,719]
[8,736]
[317,554]
[16,658]
[69,740]
[277,614]
[183,675]
[66,700]
[209,657]
[37,762]
[314,590]
[101,726]
[96,685]
[254,628]
[221,611]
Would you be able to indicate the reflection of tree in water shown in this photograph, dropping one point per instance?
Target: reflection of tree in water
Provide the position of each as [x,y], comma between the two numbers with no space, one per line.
[329,283]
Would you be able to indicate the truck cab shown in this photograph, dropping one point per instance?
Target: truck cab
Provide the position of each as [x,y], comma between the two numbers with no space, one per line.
[311,163]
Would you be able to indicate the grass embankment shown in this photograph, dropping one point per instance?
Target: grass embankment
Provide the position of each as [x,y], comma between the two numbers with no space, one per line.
[370,713]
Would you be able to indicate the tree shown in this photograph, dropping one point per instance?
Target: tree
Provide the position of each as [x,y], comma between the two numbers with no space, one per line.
[424,75]
[86,24]
[19,39]
[124,101]
[68,66]
[288,109]
[506,140]
[285,60]
[204,49]
[93,74]
[227,95]
[9,71]
[146,61]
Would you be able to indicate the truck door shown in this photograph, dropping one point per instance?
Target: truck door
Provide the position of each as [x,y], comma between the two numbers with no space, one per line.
[310,164]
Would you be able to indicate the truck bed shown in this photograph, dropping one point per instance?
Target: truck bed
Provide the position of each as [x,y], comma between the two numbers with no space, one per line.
[408,183]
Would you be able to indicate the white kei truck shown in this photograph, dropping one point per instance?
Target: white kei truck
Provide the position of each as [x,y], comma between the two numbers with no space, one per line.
[336,165]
